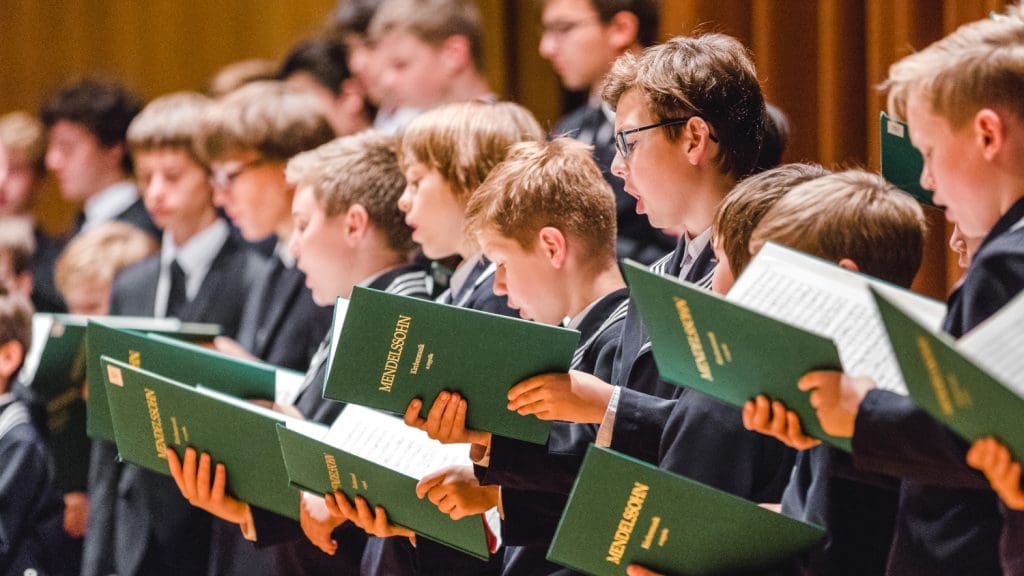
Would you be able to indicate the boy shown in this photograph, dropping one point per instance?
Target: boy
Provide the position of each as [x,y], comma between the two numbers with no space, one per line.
[446,154]
[843,218]
[582,39]
[555,270]
[24,139]
[430,52]
[681,147]
[31,519]
[87,122]
[348,232]
[17,247]
[320,66]
[135,528]
[962,101]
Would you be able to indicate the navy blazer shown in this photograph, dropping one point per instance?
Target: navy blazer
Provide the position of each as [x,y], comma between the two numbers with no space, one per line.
[139,523]
[949,521]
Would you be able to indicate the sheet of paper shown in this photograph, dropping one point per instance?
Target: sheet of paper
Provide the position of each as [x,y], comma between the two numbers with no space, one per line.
[833,302]
[387,441]
[997,345]
[340,310]
[286,386]
[42,326]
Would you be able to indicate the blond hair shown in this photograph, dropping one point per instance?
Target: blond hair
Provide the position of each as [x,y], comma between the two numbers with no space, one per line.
[100,254]
[553,184]
[237,74]
[15,319]
[979,65]
[742,209]
[852,214]
[23,134]
[270,118]
[432,22]
[359,169]
[17,243]
[710,76]
[465,141]
[169,122]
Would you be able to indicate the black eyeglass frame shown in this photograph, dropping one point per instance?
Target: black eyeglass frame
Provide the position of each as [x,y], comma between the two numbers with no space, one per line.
[623,147]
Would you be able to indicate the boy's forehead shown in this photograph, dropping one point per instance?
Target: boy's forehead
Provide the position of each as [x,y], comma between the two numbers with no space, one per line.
[632,110]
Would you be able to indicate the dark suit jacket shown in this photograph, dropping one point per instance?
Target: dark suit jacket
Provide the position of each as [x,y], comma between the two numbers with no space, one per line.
[637,239]
[140,523]
[45,296]
[949,520]
[280,322]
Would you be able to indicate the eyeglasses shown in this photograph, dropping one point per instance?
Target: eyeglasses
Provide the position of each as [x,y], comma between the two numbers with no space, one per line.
[624,147]
[223,179]
[562,28]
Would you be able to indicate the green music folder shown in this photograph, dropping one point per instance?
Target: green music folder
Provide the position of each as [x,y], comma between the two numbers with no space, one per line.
[726,350]
[623,511]
[382,465]
[955,388]
[55,370]
[901,162]
[177,360]
[150,412]
[392,349]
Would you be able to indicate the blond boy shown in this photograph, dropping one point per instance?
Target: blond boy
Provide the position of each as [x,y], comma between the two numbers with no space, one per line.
[17,246]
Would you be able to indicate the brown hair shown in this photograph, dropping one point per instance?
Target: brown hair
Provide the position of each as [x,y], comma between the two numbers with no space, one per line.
[23,134]
[742,209]
[17,243]
[237,74]
[269,118]
[710,76]
[359,169]
[432,21]
[543,184]
[100,254]
[852,214]
[169,122]
[979,65]
[464,141]
[15,319]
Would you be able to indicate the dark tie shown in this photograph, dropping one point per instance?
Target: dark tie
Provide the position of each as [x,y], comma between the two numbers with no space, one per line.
[178,297]
[591,126]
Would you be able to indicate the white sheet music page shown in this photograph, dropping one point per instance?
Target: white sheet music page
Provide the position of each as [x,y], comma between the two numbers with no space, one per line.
[834,302]
[386,440]
[997,345]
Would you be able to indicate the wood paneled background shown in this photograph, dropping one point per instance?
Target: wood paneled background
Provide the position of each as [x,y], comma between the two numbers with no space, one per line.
[818,59]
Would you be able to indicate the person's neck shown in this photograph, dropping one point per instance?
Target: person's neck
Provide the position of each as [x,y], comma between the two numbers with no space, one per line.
[586,288]
[108,180]
[374,261]
[284,229]
[186,231]
[702,207]
[469,85]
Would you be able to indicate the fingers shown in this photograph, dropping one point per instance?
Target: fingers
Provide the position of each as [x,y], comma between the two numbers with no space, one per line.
[446,426]
[412,414]
[220,481]
[435,413]
[635,570]
[816,379]
[365,516]
[795,433]
[777,426]
[188,471]
[203,479]
[525,386]
[428,482]
[175,465]
[333,508]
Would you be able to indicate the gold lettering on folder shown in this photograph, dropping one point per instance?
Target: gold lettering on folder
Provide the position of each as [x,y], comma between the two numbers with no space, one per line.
[624,530]
[156,424]
[134,359]
[935,376]
[332,472]
[693,339]
[387,378]
[646,544]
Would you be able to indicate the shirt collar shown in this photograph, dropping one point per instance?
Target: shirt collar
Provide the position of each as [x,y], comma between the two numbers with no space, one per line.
[109,203]
[576,320]
[196,255]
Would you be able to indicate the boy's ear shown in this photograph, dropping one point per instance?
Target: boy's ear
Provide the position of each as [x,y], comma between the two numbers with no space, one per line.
[848,264]
[552,242]
[352,98]
[696,141]
[11,355]
[988,127]
[622,30]
[357,223]
[455,53]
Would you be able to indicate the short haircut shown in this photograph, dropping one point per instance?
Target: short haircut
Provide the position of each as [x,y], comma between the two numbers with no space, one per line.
[431,21]
[105,108]
[270,118]
[742,209]
[323,58]
[776,138]
[359,169]
[464,141]
[17,243]
[23,134]
[647,12]
[852,214]
[15,319]
[99,254]
[169,122]
[980,65]
[354,16]
[553,184]
[711,76]
[237,74]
